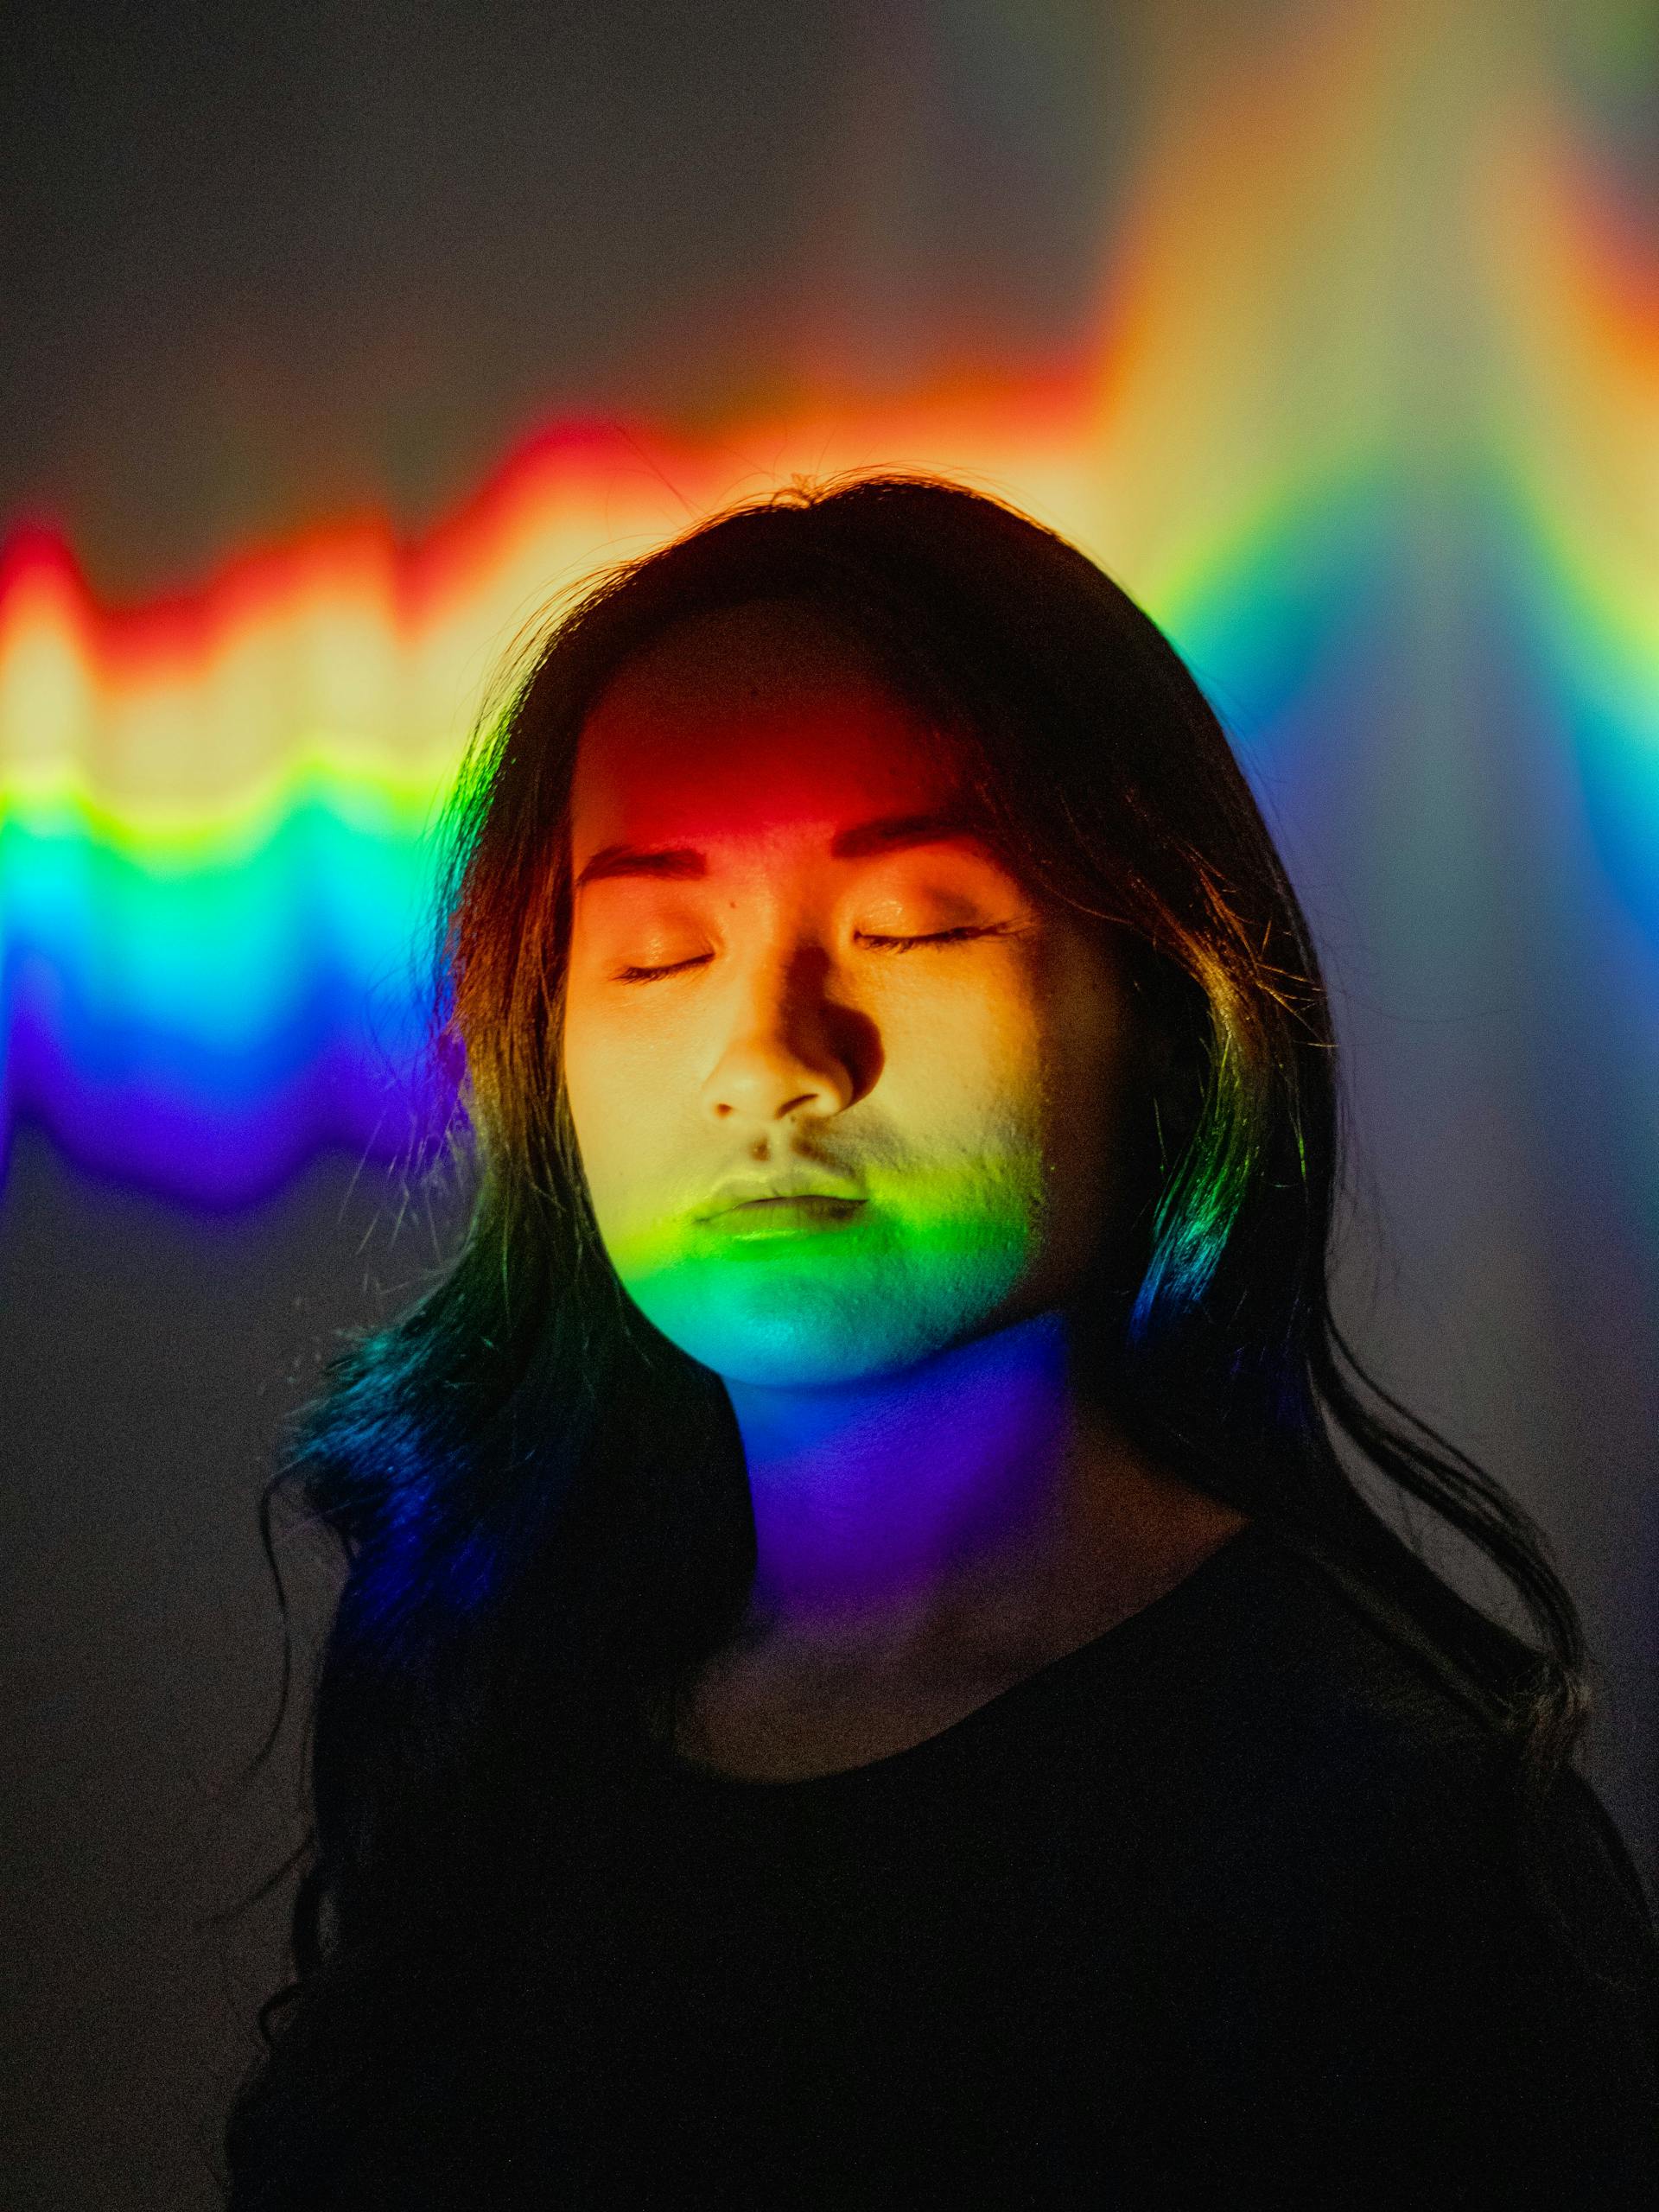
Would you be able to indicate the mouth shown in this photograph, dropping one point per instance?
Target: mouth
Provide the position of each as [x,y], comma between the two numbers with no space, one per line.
[795,1199]
[804,1214]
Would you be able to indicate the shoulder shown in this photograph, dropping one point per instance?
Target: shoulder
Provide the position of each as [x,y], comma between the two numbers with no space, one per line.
[1329,1738]
[1290,1670]
[1360,1957]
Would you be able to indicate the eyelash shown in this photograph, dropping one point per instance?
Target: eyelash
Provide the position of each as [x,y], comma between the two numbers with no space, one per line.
[886,943]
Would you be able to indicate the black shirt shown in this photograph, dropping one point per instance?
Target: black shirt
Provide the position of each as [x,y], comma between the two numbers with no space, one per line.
[1221,1908]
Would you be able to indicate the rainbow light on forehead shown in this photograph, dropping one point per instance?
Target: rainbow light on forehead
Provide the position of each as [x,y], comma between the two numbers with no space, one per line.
[214,808]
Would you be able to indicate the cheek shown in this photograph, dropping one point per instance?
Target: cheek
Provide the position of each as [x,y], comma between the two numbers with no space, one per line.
[1088,1062]
[606,1105]
[1081,1167]
[1082,1050]
[961,1088]
[988,1033]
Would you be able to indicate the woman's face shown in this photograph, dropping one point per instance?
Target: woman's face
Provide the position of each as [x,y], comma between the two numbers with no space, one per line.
[748,997]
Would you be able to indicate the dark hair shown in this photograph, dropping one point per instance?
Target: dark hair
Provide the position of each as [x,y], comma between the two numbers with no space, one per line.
[541,1503]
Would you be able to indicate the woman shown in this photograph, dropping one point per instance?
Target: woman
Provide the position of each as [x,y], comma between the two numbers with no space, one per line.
[862,1678]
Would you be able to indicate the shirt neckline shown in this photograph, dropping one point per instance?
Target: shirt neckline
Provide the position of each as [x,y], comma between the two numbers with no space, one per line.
[1114,1643]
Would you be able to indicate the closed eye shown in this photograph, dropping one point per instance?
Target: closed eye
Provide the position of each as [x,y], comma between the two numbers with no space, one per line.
[882,944]
[939,936]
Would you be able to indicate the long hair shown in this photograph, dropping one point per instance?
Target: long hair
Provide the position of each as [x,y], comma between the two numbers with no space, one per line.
[541,1503]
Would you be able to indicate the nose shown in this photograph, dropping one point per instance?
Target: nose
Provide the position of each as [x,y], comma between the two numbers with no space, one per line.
[760,1085]
[789,1050]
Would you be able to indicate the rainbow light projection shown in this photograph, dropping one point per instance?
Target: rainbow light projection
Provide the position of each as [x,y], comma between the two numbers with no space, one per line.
[213,871]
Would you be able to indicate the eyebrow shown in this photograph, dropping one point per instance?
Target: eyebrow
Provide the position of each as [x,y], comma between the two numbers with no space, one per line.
[887,833]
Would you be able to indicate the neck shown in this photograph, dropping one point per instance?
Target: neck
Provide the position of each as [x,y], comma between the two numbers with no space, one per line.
[971,1497]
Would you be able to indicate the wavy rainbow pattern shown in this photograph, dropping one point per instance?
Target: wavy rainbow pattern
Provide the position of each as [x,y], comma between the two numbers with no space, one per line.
[215,808]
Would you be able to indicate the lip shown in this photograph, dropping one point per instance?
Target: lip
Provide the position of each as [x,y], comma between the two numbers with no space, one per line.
[806,1213]
[739,1192]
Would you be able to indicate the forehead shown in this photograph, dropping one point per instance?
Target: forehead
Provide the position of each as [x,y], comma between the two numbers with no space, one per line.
[747,721]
